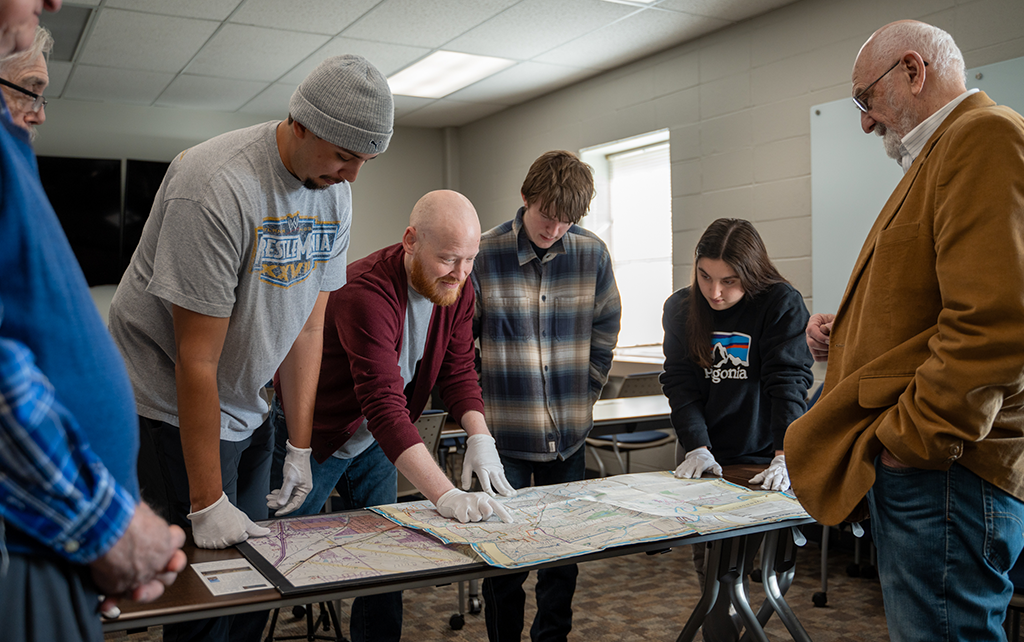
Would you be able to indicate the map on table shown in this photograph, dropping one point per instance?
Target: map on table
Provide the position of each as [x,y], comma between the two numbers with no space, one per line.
[565,520]
[319,550]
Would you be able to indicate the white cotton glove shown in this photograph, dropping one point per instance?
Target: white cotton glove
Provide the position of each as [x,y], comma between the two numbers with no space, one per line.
[221,524]
[775,477]
[471,507]
[696,462]
[297,481]
[482,458]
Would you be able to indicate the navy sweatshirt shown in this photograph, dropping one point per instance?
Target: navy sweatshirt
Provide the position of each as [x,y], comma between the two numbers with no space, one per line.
[761,370]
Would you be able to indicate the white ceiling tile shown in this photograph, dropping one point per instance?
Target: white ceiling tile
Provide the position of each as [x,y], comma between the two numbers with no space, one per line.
[405,105]
[210,9]
[386,58]
[272,101]
[58,72]
[133,40]
[520,83]
[639,35]
[427,23]
[202,92]
[230,54]
[448,113]
[315,16]
[248,55]
[535,26]
[734,10]
[104,84]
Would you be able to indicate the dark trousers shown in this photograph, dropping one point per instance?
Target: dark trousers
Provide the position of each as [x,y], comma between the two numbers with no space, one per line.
[245,475]
[504,597]
[44,599]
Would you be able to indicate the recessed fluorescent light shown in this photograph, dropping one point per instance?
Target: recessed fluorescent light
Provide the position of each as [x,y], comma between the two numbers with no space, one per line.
[443,72]
[642,3]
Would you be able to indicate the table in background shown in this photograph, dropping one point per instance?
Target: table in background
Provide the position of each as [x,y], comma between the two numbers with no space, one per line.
[631,414]
[611,416]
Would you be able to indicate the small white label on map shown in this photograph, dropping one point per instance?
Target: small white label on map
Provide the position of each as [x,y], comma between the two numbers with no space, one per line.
[230,576]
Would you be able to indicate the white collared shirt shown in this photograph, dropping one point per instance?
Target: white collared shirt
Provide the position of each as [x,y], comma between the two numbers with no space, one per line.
[912,144]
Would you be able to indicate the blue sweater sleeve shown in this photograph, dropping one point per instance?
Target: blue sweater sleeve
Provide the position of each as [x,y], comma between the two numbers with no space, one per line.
[53,488]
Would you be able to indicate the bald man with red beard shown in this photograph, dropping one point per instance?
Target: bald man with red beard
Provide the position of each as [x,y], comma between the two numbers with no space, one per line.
[402,323]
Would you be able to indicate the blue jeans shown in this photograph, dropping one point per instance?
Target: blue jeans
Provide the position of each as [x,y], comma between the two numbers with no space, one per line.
[946,541]
[368,479]
[504,597]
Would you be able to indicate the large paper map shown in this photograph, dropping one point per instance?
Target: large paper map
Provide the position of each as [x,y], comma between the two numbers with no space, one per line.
[564,520]
[324,549]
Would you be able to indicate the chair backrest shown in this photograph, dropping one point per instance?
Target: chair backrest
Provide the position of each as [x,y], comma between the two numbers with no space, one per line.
[641,385]
[429,426]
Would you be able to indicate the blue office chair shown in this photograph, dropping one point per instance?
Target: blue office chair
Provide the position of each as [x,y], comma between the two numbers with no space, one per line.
[636,385]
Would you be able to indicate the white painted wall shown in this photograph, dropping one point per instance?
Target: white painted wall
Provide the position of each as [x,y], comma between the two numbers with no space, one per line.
[737,104]
[383,195]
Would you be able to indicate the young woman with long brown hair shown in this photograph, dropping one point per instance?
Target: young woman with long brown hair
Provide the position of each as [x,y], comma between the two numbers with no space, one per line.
[737,368]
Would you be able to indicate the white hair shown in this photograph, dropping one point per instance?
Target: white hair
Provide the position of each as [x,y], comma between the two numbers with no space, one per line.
[42,45]
[935,45]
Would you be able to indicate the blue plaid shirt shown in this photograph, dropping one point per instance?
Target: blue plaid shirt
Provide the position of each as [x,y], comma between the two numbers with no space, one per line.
[547,327]
[52,487]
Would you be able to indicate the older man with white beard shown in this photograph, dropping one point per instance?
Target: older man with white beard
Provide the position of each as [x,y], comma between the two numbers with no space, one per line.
[921,419]
[24,78]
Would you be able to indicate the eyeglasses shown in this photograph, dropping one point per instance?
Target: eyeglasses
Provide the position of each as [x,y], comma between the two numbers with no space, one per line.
[38,102]
[859,100]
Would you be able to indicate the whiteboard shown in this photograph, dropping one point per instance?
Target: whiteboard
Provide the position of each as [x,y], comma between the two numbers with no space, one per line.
[851,178]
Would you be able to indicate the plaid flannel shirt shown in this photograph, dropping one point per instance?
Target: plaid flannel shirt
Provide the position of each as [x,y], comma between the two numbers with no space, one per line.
[52,487]
[547,327]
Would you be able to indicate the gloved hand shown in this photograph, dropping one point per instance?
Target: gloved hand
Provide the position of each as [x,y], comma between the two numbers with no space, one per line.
[482,458]
[220,525]
[471,507]
[696,462]
[297,481]
[775,477]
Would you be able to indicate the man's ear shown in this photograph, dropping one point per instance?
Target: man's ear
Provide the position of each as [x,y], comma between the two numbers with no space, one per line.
[299,130]
[409,240]
[916,71]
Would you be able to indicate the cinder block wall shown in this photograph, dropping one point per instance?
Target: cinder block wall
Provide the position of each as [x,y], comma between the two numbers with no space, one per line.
[736,103]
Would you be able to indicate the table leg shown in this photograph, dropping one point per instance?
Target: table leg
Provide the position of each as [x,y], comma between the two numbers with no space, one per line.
[738,592]
[708,595]
[725,571]
[774,591]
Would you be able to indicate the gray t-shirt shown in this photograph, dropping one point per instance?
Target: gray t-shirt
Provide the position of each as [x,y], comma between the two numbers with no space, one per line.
[414,340]
[231,234]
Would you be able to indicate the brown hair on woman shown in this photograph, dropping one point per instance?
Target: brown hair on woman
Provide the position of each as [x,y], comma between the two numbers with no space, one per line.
[735,241]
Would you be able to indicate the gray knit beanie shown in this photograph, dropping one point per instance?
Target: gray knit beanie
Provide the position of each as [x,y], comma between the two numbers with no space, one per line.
[346,101]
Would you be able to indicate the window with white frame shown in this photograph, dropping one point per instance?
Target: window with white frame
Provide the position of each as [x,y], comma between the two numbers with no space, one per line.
[632,213]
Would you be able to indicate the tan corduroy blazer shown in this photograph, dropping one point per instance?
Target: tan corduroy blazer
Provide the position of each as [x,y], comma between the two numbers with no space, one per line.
[927,351]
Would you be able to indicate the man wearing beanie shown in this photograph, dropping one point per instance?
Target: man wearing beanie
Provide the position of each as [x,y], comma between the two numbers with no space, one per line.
[247,236]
